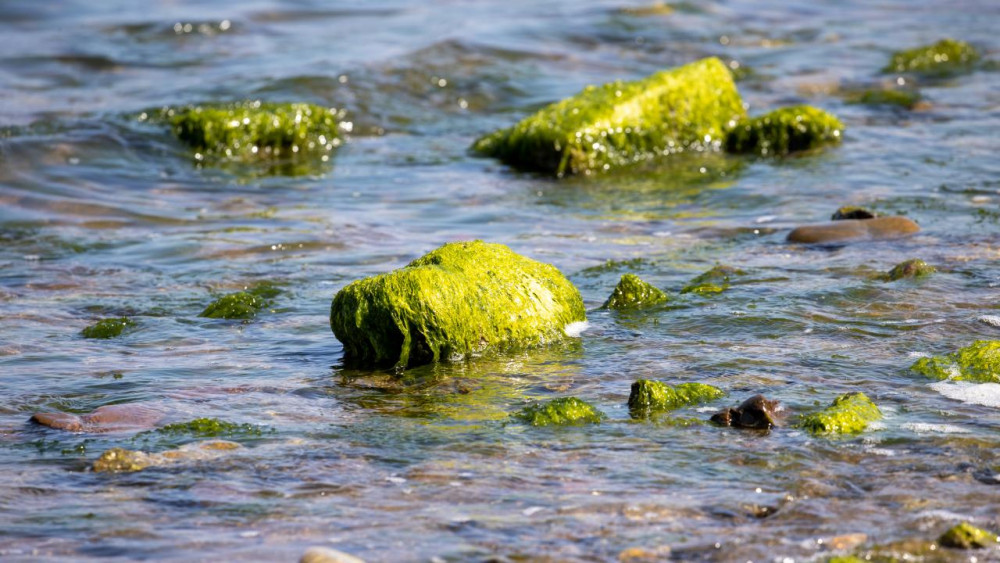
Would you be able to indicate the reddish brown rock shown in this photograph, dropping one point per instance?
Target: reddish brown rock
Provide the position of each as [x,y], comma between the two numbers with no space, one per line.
[879,228]
[109,418]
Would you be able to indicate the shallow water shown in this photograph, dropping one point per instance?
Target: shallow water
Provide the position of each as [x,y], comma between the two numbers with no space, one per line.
[102,215]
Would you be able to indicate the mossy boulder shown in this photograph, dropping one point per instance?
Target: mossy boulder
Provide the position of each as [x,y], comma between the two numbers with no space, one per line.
[108,328]
[649,396]
[239,305]
[784,131]
[632,293]
[907,99]
[945,57]
[713,281]
[848,414]
[565,411]
[849,212]
[913,268]
[978,362]
[622,123]
[967,536]
[461,300]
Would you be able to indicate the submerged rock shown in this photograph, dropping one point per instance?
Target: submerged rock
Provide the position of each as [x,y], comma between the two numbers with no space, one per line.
[784,131]
[109,418]
[715,280]
[327,555]
[913,268]
[119,460]
[757,413]
[461,300]
[848,414]
[631,293]
[879,228]
[648,396]
[622,123]
[239,305]
[852,212]
[967,536]
[947,56]
[560,412]
[108,328]
[978,362]
[907,99]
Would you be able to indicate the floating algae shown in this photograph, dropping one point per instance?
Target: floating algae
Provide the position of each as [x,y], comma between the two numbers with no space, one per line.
[631,293]
[978,362]
[784,131]
[848,414]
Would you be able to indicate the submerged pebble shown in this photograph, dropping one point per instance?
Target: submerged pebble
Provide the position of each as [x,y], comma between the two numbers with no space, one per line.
[879,228]
[913,268]
[120,460]
[109,418]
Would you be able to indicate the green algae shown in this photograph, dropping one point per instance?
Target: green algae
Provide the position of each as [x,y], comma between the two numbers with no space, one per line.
[907,99]
[913,268]
[848,414]
[108,328]
[623,123]
[945,57]
[461,300]
[209,428]
[564,411]
[849,212]
[967,536]
[783,131]
[649,396]
[713,281]
[631,293]
[845,559]
[978,362]
[239,305]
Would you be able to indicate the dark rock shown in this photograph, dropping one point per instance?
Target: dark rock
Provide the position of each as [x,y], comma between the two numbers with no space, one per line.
[757,412]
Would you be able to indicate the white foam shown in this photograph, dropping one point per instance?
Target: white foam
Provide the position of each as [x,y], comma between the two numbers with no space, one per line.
[926,428]
[992,320]
[986,394]
[574,330]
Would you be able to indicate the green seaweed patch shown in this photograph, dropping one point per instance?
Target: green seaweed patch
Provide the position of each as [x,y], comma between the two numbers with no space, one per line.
[784,131]
[632,293]
[967,536]
[913,268]
[849,212]
[907,99]
[978,362]
[210,428]
[108,328]
[713,281]
[462,300]
[649,396]
[565,411]
[623,123]
[848,414]
[239,305]
[943,58]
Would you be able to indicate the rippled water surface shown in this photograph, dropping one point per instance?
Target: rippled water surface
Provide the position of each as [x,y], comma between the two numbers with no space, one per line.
[103,215]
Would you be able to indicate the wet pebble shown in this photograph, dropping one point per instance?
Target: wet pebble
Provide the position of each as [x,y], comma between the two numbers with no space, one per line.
[757,412]
[846,230]
[109,418]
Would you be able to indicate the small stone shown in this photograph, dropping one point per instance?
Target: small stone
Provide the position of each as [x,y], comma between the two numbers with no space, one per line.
[632,293]
[850,230]
[120,460]
[967,536]
[757,413]
[109,418]
[640,554]
[327,555]
[913,268]
[713,281]
[239,305]
[108,328]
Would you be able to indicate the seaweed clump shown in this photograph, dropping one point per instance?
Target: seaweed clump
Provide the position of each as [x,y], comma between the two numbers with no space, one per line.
[461,300]
[209,428]
[560,412]
[848,414]
[715,280]
[784,131]
[108,328]
[622,123]
[631,293]
[239,305]
[978,362]
[947,56]
[967,536]
[648,396]
[913,268]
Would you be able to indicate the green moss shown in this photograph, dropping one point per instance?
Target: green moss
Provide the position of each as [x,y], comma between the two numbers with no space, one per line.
[913,268]
[649,396]
[784,131]
[239,305]
[848,212]
[877,97]
[209,428]
[967,536]
[713,281]
[978,362]
[108,328]
[461,300]
[848,414]
[945,57]
[621,123]
[631,292]
[560,412]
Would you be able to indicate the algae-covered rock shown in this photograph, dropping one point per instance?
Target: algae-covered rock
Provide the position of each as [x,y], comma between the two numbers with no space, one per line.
[239,305]
[848,212]
[631,292]
[715,280]
[978,362]
[913,268]
[649,396]
[967,536]
[756,413]
[907,99]
[622,123]
[947,56]
[108,328]
[846,559]
[784,131]
[461,300]
[848,414]
[120,460]
[560,412]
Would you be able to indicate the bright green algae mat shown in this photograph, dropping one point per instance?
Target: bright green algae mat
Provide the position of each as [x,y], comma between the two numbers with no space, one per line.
[967,536]
[632,293]
[785,130]
[108,328]
[947,56]
[621,123]
[649,396]
[978,362]
[560,412]
[461,300]
[848,414]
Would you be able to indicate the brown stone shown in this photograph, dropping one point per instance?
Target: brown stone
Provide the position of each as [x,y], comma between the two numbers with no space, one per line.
[849,230]
[109,418]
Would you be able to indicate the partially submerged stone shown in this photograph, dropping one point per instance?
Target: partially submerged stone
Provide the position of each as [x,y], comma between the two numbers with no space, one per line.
[978,362]
[967,536]
[715,280]
[461,300]
[631,293]
[852,212]
[756,413]
[120,460]
[907,99]
[560,412]
[109,418]
[108,328]
[848,414]
[239,305]
[851,230]
[913,268]
[784,131]
[947,56]
[328,555]
[648,396]
[622,123]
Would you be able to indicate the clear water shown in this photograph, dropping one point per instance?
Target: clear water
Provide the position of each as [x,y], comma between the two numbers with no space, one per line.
[101,216]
